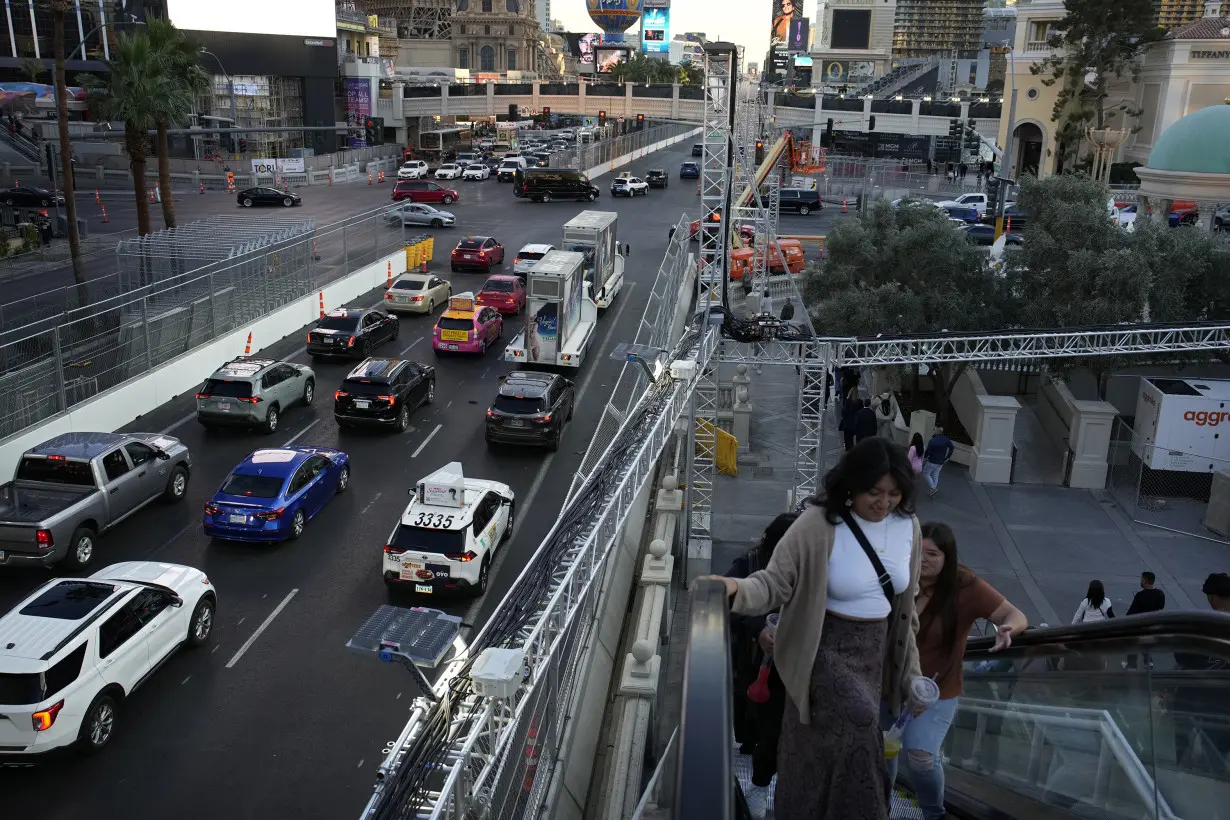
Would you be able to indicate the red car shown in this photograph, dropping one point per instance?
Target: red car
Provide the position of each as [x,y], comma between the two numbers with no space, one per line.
[422,190]
[504,293]
[477,252]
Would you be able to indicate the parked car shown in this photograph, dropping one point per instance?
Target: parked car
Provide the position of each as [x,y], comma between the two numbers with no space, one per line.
[383,393]
[416,213]
[27,196]
[74,487]
[417,293]
[968,215]
[267,196]
[449,170]
[477,252]
[689,170]
[800,200]
[657,178]
[272,494]
[253,393]
[351,333]
[629,186]
[505,294]
[476,171]
[698,150]
[531,407]
[423,191]
[77,648]
[412,169]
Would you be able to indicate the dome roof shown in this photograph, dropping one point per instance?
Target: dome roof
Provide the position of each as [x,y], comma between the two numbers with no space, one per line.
[1196,144]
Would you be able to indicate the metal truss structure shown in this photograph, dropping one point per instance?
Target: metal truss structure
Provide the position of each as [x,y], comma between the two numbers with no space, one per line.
[417,19]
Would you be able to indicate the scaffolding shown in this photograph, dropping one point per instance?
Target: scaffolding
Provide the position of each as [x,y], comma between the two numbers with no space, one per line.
[416,19]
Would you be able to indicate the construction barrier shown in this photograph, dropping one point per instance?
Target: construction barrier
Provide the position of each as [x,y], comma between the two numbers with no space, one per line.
[419,251]
[727,455]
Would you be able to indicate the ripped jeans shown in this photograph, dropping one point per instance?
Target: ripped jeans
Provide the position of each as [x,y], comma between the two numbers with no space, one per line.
[920,746]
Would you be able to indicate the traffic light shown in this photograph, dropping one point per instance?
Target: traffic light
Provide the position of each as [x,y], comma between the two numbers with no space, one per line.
[828,132]
[640,122]
[243,145]
[971,140]
[759,153]
[993,189]
[954,128]
[546,111]
[601,118]
[871,123]
[369,132]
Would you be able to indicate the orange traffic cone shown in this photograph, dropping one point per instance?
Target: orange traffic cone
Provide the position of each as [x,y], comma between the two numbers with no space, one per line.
[97,197]
[315,253]
[380,177]
[151,194]
[843,204]
[369,177]
[104,210]
[322,304]
[202,184]
[1007,224]
[423,266]
[390,282]
[330,178]
[247,349]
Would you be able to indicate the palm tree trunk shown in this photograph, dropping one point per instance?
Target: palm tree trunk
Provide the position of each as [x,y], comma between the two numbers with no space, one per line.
[164,176]
[66,156]
[134,143]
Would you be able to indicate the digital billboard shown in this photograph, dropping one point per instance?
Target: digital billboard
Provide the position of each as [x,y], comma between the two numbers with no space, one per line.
[607,57]
[800,35]
[784,11]
[297,18]
[655,31]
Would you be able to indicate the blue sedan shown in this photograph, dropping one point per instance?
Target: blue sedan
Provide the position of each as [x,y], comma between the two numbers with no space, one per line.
[273,493]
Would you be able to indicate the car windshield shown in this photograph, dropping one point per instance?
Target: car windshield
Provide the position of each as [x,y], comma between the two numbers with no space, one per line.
[68,601]
[356,387]
[470,244]
[475,167]
[499,285]
[447,323]
[56,471]
[252,486]
[345,323]
[517,405]
[436,542]
[409,284]
[227,388]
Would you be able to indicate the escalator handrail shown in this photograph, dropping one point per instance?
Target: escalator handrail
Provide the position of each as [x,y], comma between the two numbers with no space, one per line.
[1209,626]
[704,774]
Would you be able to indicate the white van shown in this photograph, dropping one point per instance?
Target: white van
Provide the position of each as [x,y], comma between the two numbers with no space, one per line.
[509,167]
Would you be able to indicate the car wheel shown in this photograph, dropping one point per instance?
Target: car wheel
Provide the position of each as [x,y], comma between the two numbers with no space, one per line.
[80,549]
[403,419]
[431,307]
[804,210]
[396,330]
[484,575]
[437,223]
[545,198]
[247,203]
[46,203]
[8,202]
[592,196]
[287,202]
[98,725]
[431,392]
[271,421]
[202,624]
[448,200]
[309,392]
[553,442]
[343,479]
[177,486]
[508,531]
[297,524]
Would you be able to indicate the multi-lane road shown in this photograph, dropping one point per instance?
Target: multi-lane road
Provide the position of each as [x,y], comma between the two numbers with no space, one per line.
[277,718]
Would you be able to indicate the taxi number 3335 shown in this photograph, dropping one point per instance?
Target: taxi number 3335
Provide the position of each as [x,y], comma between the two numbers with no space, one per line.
[434,520]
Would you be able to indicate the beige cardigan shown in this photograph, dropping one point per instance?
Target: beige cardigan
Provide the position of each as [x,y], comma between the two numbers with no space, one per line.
[800,564]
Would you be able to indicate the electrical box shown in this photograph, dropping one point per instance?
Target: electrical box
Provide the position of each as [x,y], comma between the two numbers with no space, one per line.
[498,673]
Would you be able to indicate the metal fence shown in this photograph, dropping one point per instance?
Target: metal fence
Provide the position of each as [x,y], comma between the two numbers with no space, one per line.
[1171,500]
[597,154]
[56,362]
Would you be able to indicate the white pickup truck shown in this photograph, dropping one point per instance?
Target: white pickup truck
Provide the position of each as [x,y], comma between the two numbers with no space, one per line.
[978,201]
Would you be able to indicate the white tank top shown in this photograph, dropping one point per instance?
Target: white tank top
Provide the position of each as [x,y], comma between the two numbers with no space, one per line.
[853,589]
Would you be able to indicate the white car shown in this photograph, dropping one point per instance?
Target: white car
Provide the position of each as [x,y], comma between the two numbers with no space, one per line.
[73,652]
[450,170]
[413,169]
[629,186]
[447,536]
[978,201]
[525,259]
[476,171]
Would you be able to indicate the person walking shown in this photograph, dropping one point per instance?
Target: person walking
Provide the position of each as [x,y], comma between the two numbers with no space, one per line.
[851,404]
[844,577]
[939,450]
[886,413]
[950,599]
[865,424]
[1095,607]
[1148,599]
[916,453]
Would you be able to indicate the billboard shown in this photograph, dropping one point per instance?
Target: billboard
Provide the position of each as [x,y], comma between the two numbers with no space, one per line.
[840,72]
[800,35]
[784,12]
[607,57]
[296,18]
[655,31]
[585,44]
[358,107]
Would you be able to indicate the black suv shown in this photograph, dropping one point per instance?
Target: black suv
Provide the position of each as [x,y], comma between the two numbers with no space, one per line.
[351,332]
[657,178]
[698,150]
[545,184]
[531,408]
[383,393]
[800,200]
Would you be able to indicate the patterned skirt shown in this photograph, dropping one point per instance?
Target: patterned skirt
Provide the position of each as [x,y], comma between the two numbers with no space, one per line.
[833,767]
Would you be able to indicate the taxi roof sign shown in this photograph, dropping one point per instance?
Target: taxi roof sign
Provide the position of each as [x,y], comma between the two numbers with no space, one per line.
[462,301]
[446,487]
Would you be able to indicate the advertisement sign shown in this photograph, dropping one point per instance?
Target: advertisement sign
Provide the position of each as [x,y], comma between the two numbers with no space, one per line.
[585,47]
[655,4]
[1180,424]
[655,31]
[779,61]
[839,72]
[542,332]
[784,12]
[606,58]
[358,108]
[296,18]
[799,34]
[287,165]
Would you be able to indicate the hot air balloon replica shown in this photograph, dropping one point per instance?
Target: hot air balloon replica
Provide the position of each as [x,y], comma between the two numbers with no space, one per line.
[614,17]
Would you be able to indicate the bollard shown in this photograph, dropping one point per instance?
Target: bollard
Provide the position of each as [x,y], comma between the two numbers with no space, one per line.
[322,304]
[247,349]
[104,210]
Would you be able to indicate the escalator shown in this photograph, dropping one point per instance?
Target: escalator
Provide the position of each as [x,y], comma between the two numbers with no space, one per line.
[1125,718]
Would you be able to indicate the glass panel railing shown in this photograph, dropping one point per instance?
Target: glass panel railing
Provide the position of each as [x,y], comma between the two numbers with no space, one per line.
[1123,718]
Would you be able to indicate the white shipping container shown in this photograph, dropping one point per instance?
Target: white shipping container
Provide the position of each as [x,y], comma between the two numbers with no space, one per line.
[1183,424]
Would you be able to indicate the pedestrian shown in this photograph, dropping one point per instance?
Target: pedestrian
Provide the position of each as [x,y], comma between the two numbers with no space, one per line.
[844,577]
[886,414]
[1095,607]
[865,422]
[670,235]
[757,725]
[962,169]
[939,450]
[1148,599]
[850,405]
[916,452]
[950,599]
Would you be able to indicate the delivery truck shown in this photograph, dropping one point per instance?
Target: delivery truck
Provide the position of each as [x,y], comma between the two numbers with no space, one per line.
[560,314]
[592,234]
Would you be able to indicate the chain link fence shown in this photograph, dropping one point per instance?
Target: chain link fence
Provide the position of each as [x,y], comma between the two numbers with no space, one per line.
[171,299]
[1174,500]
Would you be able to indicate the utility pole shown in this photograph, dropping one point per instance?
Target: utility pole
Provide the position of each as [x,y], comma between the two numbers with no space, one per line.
[1005,166]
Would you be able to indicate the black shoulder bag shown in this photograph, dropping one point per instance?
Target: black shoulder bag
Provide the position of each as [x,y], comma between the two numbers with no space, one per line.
[886,583]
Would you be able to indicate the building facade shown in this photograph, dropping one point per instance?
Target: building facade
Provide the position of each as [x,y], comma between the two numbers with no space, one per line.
[930,28]
[855,42]
[1172,14]
[494,37]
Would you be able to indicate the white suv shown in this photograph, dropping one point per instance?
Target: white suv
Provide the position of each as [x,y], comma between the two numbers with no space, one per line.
[629,186]
[412,169]
[73,652]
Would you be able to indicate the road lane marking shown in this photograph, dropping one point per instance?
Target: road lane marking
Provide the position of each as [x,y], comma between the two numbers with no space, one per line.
[299,435]
[375,498]
[412,344]
[426,441]
[248,644]
[171,540]
[178,424]
[360,766]
[186,680]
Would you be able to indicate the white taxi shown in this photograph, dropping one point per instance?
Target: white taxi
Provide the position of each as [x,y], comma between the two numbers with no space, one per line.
[447,536]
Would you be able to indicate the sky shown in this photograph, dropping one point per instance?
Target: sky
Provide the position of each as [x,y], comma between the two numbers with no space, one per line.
[745,22]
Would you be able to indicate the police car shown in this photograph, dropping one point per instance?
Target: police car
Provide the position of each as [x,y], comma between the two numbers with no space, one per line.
[447,537]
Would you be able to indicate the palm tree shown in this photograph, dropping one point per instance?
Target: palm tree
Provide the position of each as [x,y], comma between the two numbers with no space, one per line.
[59,10]
[191,80]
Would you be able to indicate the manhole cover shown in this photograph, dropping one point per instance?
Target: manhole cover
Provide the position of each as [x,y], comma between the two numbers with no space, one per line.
[762,472]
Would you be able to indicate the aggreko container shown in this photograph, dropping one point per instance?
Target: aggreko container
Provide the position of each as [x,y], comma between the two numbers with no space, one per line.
[1183,424]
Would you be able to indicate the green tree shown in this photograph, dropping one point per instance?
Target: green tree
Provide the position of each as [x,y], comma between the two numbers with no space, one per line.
[180,58]
[905,270]
[31,67]
[59,12]
[691,74]
[1096,43]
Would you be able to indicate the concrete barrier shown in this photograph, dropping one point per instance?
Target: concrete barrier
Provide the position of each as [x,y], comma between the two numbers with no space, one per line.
[131,399]
[619,162]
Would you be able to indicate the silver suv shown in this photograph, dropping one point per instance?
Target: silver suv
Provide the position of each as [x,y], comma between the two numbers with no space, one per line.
[253,393]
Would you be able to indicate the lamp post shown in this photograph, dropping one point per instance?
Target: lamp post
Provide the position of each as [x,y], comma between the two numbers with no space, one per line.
[230,81]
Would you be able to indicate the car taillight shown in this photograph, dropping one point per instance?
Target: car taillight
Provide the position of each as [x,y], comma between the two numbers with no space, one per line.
[309,338]
[341,394]
[543,417]
[202,395]
[57,458]
[388,294]
[417,299]
[212,509]
[250,399]
[43,720]
[44,539]
[463,557]
[350,343]
[392,400]
[272,515]
[389,549]
[491,414]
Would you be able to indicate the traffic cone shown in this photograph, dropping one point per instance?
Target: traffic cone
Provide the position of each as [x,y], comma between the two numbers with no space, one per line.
[1007,224]
[843,204]
[531,759]
[380,177]
[423,265]
[390,283]
[322,304]
[247,349]
[151,194]
[202,184]
[369,177]
[97,197]
[104,210]
[330,179]
[315,253]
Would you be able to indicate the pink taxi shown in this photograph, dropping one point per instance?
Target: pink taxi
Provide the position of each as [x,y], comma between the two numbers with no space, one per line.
[466,326]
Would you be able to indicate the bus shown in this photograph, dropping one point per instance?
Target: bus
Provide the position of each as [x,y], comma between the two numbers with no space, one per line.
[444,143]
